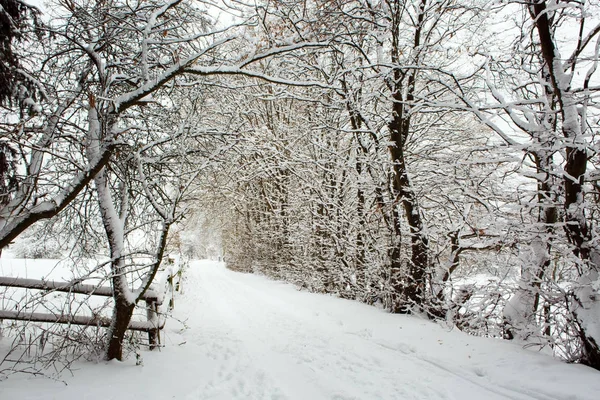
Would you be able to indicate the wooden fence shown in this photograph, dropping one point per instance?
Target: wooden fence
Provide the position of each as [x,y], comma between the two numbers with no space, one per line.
[153,300]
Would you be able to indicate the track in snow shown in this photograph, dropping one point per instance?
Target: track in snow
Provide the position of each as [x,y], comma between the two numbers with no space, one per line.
[271,342]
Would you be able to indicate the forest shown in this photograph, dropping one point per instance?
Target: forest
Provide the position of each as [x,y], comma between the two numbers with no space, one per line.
[427,157]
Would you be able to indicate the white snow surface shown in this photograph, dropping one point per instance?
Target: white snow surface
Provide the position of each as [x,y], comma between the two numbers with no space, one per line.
[247,337]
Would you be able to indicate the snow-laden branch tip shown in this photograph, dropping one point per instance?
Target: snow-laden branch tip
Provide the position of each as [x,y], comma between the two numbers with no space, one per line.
[237,70]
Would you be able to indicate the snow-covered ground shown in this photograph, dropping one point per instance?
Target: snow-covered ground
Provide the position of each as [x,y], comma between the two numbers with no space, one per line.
[246,337]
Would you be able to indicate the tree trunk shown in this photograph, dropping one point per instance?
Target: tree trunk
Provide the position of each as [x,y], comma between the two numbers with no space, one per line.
[122,313]
[586,298]
[520,312]
[412,285]
[124,303]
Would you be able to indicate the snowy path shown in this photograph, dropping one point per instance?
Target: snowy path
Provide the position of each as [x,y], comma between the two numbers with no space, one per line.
[251,338]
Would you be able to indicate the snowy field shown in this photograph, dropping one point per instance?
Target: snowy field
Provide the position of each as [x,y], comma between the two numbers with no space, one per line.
[244,337]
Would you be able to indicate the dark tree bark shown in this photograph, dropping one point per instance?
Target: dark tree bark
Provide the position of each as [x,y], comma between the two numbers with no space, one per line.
[411,286]
[121,318]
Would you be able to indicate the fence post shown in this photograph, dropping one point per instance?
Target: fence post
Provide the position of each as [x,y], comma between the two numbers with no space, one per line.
[171,289]
[152,316]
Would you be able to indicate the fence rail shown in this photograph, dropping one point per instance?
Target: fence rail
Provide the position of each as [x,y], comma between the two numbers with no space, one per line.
[67,287]
[142,326]
[153,300]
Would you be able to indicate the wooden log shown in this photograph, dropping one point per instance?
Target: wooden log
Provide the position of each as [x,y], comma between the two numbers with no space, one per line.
[142,326]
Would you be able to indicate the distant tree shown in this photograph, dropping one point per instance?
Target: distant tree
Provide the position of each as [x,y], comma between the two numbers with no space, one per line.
[19,22]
